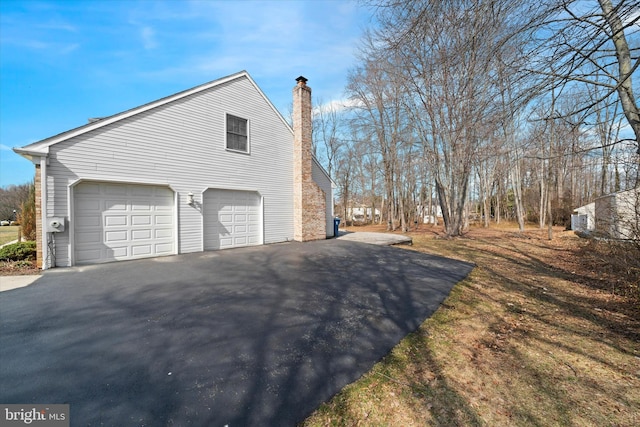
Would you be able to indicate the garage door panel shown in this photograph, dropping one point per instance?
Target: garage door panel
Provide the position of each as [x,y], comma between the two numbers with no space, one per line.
[115,189]
[111,222]
[227,219]
[89,255]
[141,250]
[163,233]
[88,221]
[115,236]
[89,205]
[163,219]
[137,220]
[114,253]
[140,234]
[164,248]
[115,220]
[141,191]
[140,206]
[87,188]
[115,205]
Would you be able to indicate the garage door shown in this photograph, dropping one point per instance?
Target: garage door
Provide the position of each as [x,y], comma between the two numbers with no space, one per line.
[232,219]
[122,221]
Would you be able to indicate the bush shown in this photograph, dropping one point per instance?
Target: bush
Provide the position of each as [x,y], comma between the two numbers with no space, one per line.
[18,251]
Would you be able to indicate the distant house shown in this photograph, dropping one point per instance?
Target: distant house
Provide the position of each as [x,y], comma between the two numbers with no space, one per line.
[363,214]
[617,215]
[584,218]
[213,167]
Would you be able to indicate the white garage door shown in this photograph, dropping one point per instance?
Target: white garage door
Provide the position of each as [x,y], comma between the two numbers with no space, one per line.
[232,219]
[122,221]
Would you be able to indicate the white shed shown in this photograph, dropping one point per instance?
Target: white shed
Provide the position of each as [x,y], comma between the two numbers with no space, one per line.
[618,215]
[584,218]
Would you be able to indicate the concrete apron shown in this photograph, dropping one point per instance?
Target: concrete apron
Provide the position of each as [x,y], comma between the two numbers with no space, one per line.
[383,239]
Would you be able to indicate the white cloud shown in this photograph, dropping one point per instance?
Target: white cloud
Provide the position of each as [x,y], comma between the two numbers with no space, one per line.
[55,25]
[148,35]
[339,105]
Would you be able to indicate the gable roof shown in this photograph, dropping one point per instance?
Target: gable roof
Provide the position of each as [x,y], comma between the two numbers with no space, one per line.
[41,148]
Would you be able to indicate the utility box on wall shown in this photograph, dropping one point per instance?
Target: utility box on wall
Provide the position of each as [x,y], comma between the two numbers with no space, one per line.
[55,224]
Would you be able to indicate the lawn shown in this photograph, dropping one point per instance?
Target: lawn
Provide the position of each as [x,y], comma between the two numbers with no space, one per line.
[532,337]
[8,233]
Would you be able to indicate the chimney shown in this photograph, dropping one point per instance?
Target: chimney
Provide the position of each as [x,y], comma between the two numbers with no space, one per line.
[309,203]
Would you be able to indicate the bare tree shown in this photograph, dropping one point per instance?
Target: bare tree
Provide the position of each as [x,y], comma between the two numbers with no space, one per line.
[379,101]
[579,41]
[448,54]
[327,124]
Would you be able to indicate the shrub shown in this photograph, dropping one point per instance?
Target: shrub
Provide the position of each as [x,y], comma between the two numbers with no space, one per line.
[27,217]
[18,251]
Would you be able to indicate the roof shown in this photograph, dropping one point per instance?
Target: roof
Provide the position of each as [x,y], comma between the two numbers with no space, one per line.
[41,148]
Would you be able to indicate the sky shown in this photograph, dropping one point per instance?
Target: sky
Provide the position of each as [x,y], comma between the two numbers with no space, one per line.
[63,62]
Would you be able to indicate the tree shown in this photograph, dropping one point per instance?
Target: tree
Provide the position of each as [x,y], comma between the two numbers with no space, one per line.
[449,55]
[579,42]
[327,123]
[378,98]
[27,216]
[11,200]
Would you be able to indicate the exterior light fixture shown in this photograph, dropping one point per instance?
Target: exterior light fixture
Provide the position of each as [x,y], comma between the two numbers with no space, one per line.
[190,198]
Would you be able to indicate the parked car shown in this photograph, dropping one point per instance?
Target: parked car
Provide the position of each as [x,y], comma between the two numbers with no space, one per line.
[3,223]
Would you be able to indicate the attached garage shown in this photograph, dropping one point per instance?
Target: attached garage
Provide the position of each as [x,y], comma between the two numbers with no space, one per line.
[232,219]
[193,171]
[122,221]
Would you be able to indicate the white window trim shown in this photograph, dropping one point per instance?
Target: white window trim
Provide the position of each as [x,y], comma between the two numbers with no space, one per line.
[248,134]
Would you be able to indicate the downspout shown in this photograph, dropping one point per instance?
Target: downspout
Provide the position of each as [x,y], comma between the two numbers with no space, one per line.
[43,210]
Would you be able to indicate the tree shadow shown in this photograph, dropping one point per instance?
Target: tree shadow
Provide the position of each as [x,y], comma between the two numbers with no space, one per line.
[251,336]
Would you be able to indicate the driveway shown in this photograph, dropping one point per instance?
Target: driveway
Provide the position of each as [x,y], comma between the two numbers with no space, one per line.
[257,336]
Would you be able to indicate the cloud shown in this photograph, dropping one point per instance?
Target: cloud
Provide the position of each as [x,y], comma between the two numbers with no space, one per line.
[63,26]
[148,35]
[339,105]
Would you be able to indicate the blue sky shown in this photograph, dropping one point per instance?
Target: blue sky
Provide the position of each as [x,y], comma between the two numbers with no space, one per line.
[62,62]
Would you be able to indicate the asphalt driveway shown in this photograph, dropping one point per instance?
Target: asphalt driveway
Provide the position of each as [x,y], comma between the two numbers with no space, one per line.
[246,337]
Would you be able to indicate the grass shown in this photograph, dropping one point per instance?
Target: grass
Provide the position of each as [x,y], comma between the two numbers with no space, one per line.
[532,337]
[8,233]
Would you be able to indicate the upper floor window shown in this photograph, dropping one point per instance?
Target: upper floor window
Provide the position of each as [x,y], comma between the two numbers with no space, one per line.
[237,134]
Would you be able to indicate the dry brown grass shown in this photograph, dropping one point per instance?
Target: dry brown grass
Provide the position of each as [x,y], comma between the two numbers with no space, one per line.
[532,337]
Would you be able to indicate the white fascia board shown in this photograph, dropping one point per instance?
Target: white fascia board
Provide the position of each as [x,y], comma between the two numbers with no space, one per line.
[33,156]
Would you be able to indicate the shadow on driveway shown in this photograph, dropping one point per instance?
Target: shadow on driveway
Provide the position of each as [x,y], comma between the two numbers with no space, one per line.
[255,336]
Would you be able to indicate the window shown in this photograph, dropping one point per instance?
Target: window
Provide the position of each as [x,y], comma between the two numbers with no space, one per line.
[237,135]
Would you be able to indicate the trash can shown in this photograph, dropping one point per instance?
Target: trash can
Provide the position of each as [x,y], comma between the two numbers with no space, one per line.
[336,225]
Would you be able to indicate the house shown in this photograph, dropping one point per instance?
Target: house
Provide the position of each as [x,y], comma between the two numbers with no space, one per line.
[583,218]
[213,167]
[363,214]
[617,215]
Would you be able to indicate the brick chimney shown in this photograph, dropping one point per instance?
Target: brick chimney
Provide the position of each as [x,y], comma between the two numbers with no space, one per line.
[309,221]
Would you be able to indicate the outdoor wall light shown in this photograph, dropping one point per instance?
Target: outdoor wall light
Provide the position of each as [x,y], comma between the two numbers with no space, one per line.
[190,198]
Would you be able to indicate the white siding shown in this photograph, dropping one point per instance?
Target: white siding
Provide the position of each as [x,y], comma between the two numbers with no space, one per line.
[324,182]
[182,145]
